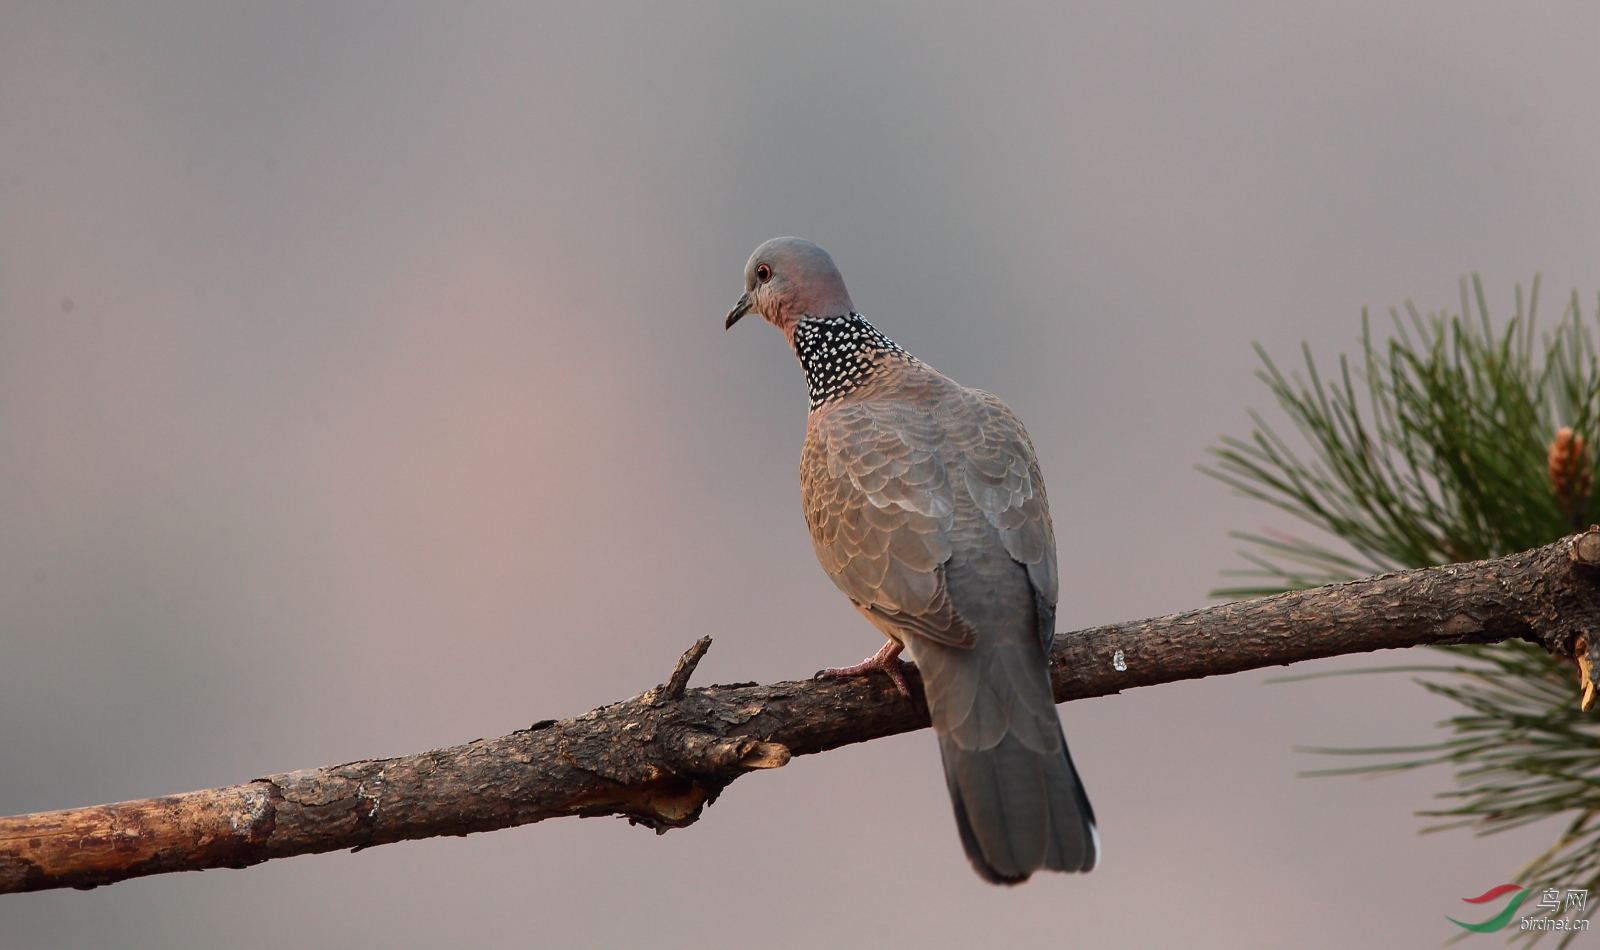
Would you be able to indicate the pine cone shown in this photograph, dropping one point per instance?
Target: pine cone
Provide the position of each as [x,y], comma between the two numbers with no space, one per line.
[1570,475]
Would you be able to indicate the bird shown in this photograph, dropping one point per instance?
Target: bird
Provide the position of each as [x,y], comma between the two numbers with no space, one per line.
[927,508]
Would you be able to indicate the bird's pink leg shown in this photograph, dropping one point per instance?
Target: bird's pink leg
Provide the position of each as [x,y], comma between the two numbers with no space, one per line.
[886,660]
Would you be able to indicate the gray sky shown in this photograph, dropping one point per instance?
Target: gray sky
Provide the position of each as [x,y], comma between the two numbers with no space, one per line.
[363,389]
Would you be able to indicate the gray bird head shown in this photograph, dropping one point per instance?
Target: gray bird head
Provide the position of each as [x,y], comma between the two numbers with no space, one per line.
[788,279]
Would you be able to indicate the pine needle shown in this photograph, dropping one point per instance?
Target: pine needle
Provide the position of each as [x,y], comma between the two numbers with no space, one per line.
[1438,447]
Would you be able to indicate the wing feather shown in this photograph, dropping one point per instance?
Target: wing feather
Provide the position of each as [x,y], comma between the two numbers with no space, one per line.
[879,504]
[876,481]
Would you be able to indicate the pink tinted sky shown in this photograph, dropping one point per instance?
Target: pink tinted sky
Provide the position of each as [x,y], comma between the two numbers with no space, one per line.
[363,389]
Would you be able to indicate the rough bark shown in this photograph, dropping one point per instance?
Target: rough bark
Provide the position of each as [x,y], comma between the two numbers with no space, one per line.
[659,758]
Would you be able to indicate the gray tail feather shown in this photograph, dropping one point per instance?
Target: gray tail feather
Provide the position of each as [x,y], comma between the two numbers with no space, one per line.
[1019,810]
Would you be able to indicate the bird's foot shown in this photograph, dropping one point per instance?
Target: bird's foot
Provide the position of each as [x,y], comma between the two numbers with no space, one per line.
[886,660]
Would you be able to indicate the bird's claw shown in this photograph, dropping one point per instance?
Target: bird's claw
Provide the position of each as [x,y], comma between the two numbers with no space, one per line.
[886,660]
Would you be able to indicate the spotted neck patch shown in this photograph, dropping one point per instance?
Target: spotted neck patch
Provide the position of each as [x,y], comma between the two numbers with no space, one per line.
[840,353]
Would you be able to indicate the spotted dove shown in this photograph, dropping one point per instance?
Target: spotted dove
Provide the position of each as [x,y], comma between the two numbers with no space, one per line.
[926,507]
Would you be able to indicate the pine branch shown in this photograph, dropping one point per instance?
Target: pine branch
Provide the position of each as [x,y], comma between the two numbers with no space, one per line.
[1468,445]
[659,758]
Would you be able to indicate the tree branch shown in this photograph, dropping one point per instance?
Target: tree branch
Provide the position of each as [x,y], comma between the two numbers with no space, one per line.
[661,757]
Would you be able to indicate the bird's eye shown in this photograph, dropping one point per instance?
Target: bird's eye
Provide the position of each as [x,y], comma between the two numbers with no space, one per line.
[763,273]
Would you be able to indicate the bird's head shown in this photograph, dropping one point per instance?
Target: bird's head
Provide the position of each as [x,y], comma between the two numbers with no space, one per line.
[788,279]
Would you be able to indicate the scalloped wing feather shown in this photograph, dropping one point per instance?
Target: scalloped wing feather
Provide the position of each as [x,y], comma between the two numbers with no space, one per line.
[879,503]
[876,481]
[1002,476]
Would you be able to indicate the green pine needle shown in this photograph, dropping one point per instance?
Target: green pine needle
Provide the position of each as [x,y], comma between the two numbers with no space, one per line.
[1435,450]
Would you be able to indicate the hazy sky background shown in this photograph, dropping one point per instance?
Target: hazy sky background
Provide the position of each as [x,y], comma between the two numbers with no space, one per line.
[363,389]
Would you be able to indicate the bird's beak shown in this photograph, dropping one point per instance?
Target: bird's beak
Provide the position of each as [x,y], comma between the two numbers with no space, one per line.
[744,306]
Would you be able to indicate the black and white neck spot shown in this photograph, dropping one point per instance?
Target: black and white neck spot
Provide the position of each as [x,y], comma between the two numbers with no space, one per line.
[839,354]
